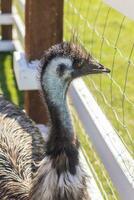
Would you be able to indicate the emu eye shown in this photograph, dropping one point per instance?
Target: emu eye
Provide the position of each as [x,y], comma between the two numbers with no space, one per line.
[80,64]
[61,68]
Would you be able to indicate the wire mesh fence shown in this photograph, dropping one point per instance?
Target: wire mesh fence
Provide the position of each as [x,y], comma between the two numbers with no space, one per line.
[109,37]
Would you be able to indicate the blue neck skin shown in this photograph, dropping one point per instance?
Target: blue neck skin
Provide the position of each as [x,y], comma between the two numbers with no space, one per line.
[55,94]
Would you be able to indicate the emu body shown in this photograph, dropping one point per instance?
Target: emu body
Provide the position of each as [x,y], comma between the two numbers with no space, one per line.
[34,169]
[21,145]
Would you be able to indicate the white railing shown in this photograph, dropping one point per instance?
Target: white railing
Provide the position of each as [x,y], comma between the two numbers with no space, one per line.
[6,19]
[18,31]
[125,7]
[114,155]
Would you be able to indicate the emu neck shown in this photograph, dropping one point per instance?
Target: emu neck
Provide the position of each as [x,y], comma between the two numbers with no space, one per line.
[60,117]
[61,128]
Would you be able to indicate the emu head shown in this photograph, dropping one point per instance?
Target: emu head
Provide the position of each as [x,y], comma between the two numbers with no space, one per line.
[64,62]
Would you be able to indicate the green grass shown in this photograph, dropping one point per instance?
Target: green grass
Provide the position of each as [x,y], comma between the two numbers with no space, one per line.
[8,85]
[109,37]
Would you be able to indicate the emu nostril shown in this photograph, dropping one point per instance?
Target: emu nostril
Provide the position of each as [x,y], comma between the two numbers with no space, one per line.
[103,69]
[106,70]
[101,66]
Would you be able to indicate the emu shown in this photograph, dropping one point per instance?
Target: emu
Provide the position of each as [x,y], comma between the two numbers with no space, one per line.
[34,169]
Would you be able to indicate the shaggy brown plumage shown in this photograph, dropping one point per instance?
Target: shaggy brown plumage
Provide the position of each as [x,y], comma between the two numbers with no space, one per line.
[21,145]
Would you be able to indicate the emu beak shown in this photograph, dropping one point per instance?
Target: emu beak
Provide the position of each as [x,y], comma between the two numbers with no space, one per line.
[91,68]
[95,68]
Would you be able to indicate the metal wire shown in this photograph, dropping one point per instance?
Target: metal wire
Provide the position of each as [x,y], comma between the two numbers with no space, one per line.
[91,31]
[102,41]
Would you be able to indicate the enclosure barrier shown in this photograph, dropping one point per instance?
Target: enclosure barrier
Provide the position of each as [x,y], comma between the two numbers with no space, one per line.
[6,22]
[113,153]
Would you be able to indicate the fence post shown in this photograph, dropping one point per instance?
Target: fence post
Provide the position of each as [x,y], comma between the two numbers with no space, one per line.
[6,30]
[44,27]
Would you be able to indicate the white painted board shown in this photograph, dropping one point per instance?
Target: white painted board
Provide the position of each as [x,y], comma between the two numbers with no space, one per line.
[6,46]
[6,19]
[26,73]
[126,7]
